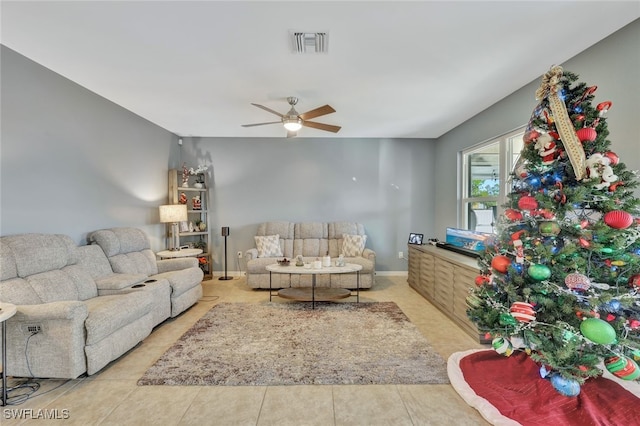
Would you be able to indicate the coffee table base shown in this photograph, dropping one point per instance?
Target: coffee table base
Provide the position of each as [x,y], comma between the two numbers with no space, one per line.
[306,294]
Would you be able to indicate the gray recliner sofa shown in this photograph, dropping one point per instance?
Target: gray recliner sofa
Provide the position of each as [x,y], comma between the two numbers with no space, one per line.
[312,240]
[129,252]
[77,309]
[79,331]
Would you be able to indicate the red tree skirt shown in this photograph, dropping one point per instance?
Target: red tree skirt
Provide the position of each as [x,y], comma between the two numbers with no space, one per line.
[510,391]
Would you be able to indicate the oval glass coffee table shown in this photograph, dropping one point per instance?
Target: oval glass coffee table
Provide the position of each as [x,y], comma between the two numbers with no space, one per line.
[315,294]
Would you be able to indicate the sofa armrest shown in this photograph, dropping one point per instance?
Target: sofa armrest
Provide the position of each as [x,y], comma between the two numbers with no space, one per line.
[178,264]
[119,281]
[65,310]
[251,254]
[369,254]
[58,350]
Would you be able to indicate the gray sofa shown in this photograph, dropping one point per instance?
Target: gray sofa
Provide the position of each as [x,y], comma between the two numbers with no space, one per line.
[129,252]
[75,314]
[311,240]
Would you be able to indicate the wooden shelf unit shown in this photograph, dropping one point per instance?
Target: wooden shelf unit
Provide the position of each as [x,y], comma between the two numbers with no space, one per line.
[195,238]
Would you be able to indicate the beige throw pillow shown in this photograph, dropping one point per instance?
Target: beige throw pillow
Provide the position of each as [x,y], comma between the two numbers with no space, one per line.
[353,245]
[268,246]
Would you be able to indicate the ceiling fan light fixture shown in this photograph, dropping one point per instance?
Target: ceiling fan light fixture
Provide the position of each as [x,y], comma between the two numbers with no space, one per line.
[292,124]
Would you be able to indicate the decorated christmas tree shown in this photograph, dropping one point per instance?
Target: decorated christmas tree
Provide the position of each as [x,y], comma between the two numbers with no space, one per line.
[561,280]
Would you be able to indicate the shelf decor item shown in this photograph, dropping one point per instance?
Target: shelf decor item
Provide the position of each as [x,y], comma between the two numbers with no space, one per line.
[185,176]
[198,172]
[197,203]
[173,213]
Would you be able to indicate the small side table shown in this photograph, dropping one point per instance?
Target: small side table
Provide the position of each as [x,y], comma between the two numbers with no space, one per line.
[7,310]
[172,254]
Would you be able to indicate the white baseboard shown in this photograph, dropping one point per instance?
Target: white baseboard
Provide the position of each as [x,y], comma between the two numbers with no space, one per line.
[380,273]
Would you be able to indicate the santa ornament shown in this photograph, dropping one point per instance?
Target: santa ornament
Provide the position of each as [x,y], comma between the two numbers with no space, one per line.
[599,166]
[546,146]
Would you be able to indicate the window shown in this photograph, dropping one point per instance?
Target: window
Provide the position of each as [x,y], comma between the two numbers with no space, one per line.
[484,180]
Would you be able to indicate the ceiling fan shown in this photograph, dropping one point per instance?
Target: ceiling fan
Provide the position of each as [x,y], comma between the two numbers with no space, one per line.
[293,121]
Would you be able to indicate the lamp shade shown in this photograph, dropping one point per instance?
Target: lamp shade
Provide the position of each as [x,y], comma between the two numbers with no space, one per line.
[173,213]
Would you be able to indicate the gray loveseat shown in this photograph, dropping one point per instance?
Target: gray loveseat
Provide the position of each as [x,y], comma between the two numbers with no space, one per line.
[311,240]
[75,314]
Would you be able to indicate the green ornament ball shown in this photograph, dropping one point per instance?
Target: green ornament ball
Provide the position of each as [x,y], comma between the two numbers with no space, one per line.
[598,331]
[623,367]
[473,301]
[539,272]
[507,319]
[549,228]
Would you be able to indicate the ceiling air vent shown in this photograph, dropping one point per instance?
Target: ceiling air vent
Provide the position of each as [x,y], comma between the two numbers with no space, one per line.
[310,42]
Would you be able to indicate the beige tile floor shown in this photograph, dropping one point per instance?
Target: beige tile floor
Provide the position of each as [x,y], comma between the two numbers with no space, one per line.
[112,397]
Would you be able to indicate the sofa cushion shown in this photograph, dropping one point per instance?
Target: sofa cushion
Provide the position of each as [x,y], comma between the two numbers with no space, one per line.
[120,240]
[128,250]
[8,268]
[93,259]
[139,262]
[182,280]
[84,283]
[19,292]
[36,253]
[353,245]
[108,314]
[286,232]
[53,286]
[311,239]
[268,246]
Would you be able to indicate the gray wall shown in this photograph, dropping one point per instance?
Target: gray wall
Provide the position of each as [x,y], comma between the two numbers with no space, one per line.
[72,162]
[611,64]
[385,184]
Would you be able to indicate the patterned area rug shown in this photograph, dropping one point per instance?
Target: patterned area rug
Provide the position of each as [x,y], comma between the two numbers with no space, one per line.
[238,344]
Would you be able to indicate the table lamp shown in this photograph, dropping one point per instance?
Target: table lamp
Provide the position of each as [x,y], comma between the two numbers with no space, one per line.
[174,213]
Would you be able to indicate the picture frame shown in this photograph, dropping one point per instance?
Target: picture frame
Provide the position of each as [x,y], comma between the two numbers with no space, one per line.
[184,226]
[415,238]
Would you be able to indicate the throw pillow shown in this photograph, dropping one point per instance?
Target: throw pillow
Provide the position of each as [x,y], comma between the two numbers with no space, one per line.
[353,245]
[268,246]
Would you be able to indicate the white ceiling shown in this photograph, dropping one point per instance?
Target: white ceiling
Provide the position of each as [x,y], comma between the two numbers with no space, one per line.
[394,69]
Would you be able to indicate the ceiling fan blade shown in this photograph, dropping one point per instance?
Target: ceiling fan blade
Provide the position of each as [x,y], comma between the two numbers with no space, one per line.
[261,124]
[322,126]
[291,134]
[267,109]
[323,110]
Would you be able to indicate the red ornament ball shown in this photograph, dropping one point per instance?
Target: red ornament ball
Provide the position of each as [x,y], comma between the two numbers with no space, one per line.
[501,263]
[527,202]
[577,282]
[481,280]
[513,215]
[634,281]
[523,311]
[613,157]
[618,219]
[587,134]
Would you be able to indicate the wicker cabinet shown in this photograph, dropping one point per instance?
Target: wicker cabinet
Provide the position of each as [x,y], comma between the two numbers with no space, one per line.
[196,197]
[444,279]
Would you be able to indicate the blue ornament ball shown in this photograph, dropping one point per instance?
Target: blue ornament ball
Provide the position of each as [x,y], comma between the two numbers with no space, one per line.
[566,387]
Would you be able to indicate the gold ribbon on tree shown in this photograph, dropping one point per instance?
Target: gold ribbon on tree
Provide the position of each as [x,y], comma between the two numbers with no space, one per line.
[549,89]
